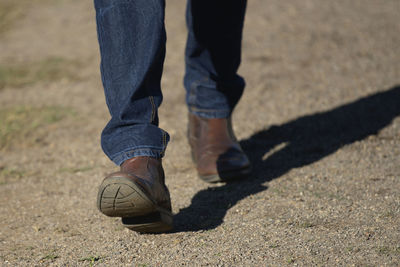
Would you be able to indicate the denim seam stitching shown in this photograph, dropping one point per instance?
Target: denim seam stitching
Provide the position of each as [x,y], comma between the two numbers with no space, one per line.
[153,149]
[153,108]
[101,41]
[164,143]
[192,94]
[132,152]
[192,107]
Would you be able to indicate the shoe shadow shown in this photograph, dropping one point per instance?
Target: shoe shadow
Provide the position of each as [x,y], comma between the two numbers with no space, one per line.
[297,143]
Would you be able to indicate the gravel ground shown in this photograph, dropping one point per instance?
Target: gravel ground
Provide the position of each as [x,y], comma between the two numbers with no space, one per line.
[320,120]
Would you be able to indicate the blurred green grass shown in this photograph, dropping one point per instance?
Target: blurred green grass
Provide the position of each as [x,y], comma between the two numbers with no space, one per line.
[13,10]
[10,12]
[26,126]
[47,70]
[8,175]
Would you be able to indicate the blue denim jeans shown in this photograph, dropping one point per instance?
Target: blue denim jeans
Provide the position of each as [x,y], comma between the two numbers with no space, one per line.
[132,41]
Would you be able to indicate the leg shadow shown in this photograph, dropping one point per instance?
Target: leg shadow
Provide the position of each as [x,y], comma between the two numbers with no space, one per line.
[304,141]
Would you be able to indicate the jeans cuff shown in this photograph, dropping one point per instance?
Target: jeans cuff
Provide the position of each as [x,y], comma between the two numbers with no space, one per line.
[119,158]
[210,114]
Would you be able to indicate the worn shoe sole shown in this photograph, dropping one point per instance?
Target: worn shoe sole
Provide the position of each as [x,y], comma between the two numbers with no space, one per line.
[157,222]
[119,196]
[227,176]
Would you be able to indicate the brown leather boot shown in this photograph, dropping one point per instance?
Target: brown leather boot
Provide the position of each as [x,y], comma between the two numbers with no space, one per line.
[138,194]
[215,151]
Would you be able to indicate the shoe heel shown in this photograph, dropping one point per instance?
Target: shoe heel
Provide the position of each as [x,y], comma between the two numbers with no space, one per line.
[120,197]
[157,222]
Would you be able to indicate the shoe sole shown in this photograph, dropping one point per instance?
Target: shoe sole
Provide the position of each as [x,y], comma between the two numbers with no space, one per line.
[121,197]
[157,222]
[227,176]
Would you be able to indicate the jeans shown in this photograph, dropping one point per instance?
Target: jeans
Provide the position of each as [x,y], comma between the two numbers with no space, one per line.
[132,41]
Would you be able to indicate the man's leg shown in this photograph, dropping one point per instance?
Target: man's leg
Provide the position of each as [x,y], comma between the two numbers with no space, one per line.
[132,45]
[213,86]
[213,56]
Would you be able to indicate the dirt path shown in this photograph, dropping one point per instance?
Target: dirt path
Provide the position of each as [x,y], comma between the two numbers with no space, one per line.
[320,120]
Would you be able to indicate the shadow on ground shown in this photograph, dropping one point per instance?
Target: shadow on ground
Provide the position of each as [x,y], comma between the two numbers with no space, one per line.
[303,141]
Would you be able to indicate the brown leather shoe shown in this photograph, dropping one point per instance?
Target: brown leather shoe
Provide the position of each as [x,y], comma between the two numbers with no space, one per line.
[138,194]
[215,151]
